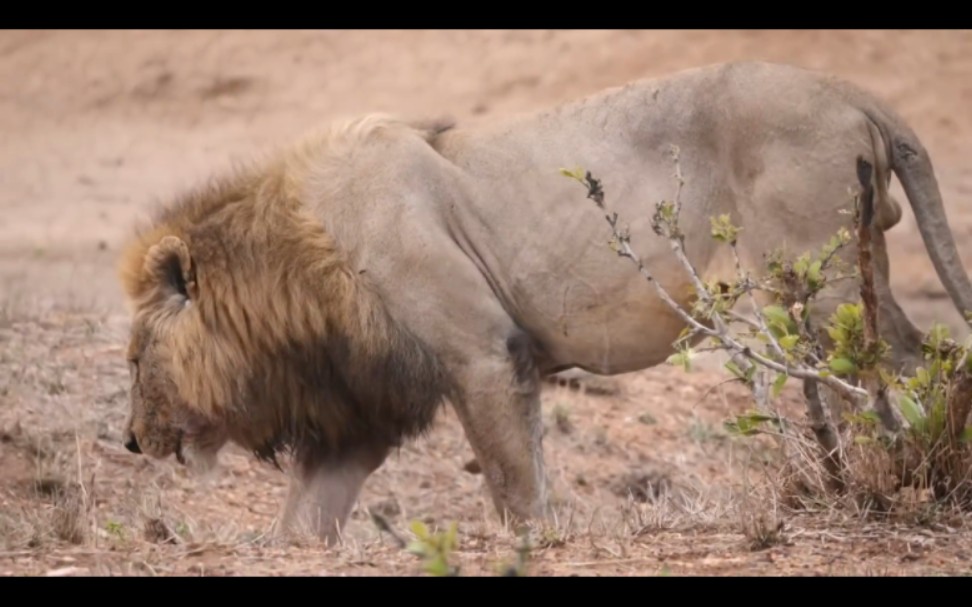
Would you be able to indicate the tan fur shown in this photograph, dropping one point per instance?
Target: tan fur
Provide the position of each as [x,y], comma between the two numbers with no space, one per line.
[329,300]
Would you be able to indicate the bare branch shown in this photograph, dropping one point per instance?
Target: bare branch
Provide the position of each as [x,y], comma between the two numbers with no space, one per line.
[870,378]
[823,428]
[719,331]
[622,247]
[959,402]
[679,180]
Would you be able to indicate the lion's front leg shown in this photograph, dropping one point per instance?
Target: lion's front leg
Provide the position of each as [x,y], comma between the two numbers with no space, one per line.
[323,491]
[500,413]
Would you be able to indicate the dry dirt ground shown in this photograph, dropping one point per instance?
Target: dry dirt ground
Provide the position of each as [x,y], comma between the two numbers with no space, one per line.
[98,126]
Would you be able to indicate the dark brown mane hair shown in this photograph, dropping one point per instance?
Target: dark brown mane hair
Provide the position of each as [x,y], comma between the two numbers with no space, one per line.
[283,342]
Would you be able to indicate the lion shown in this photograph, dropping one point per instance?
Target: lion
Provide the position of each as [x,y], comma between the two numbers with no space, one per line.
[325,303]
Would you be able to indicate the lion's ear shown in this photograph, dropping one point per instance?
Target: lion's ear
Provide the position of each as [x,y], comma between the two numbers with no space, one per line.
[170,267]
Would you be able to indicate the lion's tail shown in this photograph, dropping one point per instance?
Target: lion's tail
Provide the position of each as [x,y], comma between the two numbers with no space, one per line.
[911,163]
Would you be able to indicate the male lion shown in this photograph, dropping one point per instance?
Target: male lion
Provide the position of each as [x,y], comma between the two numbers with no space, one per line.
[328,302]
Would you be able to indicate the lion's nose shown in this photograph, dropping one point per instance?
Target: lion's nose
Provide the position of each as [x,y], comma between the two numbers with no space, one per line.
[132,444]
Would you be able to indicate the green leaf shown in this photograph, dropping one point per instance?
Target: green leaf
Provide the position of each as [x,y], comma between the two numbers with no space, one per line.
[758,417]
[776,314]
[437,566]
[842,366]
[778,321]
[966,434]
[576,173]
[848,315]
[938,334]
[778,384]
[416,547]
[865,418]
[801,265]
[666,209]
[115,528]
[745,376]
[814,275]
[832,245]
[788,342]
[740,428]
[838,334]
[890,379]
[420,530]
[863,440]
[748,423]
[723,230]
[733,368]
[911,411]
[681,359]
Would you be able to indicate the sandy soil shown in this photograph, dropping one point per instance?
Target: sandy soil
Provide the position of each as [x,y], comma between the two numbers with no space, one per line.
[99,126]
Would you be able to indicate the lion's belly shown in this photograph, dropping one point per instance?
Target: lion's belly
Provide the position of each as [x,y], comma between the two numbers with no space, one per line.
[603,325]
[603,346]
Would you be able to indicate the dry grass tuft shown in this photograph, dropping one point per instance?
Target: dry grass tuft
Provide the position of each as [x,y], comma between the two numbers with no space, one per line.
[155,531]
[763,530]
[69,519]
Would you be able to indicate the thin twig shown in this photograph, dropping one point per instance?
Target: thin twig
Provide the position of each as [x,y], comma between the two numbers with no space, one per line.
[383,525]
[760,321]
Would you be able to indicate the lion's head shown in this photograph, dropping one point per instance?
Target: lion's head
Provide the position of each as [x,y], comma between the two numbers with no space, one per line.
[162,422]
[250,327]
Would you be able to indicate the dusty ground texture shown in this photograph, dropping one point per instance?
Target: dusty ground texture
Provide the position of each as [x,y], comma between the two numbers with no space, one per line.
[98,126]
